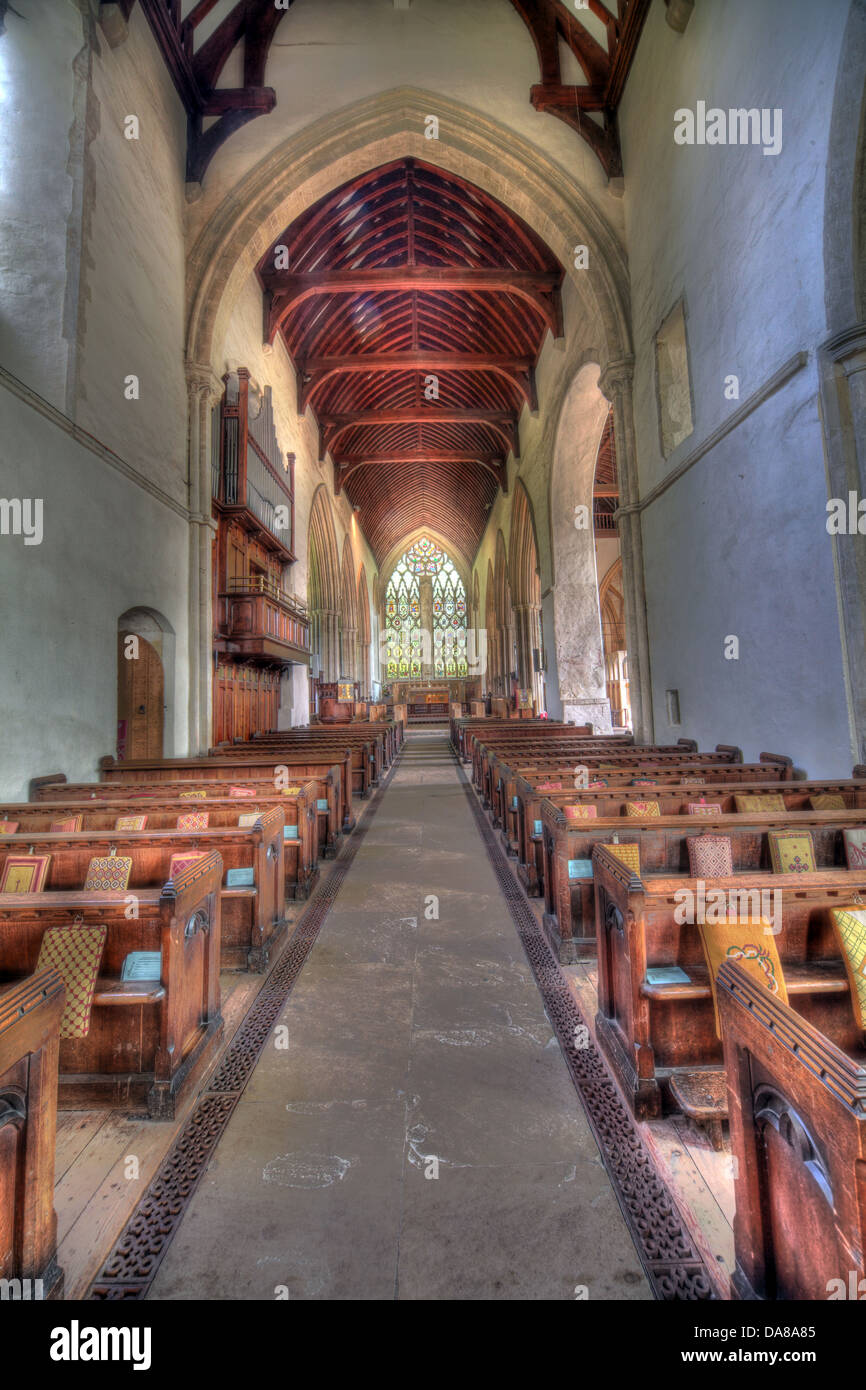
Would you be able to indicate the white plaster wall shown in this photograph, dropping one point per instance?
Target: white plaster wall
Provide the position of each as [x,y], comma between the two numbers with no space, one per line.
[107,547]
[37,190]
[738,545]
[133,311]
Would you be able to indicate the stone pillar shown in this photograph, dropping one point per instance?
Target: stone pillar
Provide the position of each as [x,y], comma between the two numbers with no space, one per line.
[526,621]
[426,598]
[615,383]
[349,646]
[329,644]
[842,364]
[203,390]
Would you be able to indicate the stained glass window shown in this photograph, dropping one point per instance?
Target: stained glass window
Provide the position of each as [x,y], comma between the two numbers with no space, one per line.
[405,653]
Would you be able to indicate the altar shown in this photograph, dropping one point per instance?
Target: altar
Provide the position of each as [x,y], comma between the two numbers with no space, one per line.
[430,701]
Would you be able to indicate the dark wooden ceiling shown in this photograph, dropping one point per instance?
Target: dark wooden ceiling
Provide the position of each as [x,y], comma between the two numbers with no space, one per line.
[406,274]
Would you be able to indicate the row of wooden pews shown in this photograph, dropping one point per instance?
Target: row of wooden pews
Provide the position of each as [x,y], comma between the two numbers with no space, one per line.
[120,903]
[724,905]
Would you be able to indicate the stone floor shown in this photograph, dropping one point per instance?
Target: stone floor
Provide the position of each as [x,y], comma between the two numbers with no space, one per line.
[412,1132]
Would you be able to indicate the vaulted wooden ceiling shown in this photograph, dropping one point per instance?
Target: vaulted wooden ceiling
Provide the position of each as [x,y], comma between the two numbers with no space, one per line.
[414,307]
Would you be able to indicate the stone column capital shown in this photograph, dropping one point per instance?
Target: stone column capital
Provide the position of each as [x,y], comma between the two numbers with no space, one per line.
[202,379]
[616,377]
[848,348]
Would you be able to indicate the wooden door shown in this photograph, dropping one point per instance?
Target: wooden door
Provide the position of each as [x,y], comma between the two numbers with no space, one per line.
[140,700]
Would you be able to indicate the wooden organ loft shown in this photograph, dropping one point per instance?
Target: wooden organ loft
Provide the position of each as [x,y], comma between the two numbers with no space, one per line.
[260,628]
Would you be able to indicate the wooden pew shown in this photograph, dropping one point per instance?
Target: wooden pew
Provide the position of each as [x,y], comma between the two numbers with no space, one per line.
[252,917]
[252,767]
[653,1034]
[151,1041]
[637,762]
[300,844]
[521,800]
[366,756]
[569,907]
[797,1106]
[30,1014]
[329,783]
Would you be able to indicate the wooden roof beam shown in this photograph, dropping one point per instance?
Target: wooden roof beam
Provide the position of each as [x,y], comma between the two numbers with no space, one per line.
[285,290]
[314,372]
[502,422]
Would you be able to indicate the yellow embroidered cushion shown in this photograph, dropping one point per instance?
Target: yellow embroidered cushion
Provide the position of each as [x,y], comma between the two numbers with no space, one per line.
[629,854]
[850,926]
[792,851]
[751,945]
[828,801]
[773,802]
[642,808]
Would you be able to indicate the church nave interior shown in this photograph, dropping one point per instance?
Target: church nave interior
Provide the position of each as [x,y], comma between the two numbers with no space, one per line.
[433,754]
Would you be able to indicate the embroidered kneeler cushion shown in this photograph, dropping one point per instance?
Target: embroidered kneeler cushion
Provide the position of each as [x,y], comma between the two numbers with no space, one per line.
[580,812]
[827,801]
[549,787]
[75,953]
[24,873]
[710,856]
[193,796]
[130,823]
[179,862]
[642,808]
[242,791]
[643,782]
[850,927]
[751,945]
[249,818]
[596,786]
[855,847]
[693,781]
[704,808]
[773,802]
[194,820]
[9,827]
[792,851]
[629,854]
[291,791]
[108,873]
[66,825]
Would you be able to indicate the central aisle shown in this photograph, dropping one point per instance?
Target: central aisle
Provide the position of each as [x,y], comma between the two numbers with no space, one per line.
[415,1042]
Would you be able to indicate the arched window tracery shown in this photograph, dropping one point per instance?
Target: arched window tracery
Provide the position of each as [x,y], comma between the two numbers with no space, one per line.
[425,560]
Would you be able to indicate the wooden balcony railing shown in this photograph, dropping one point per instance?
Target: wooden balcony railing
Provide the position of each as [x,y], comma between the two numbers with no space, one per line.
[261,626]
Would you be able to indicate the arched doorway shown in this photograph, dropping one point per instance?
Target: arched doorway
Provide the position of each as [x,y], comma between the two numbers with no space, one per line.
[144,655]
